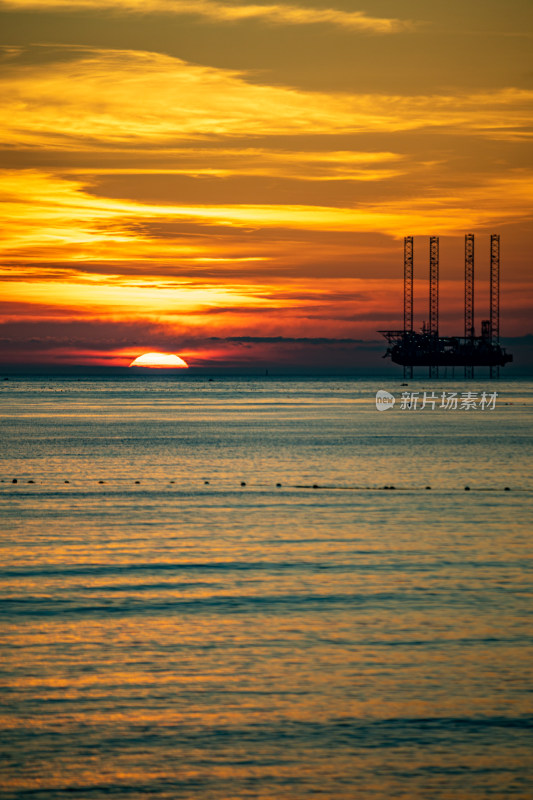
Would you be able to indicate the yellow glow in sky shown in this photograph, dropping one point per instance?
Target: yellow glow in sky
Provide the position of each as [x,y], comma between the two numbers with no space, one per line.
[237,167]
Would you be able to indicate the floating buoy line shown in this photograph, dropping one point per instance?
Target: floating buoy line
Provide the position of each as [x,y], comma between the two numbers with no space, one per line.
[242,484]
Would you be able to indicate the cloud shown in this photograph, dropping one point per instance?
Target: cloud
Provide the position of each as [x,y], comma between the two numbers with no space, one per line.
[69,102]
[273,13]
[152,98]
[49,218]
[298,165]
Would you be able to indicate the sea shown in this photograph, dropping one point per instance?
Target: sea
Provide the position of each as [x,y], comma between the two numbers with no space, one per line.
[265,587]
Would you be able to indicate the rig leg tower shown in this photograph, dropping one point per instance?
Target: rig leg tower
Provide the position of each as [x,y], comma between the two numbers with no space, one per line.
[469,296]
[434,299]
[495,297]
[408,294]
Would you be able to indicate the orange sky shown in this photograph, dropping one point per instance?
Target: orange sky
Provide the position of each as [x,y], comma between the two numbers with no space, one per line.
[232,181]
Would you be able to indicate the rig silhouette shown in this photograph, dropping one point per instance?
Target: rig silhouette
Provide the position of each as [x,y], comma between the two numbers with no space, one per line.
[426,348]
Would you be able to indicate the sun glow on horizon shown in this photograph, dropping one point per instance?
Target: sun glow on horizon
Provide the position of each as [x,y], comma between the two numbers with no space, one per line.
[159,360]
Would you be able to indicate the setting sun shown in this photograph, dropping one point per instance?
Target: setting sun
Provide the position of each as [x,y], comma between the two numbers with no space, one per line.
[159,360]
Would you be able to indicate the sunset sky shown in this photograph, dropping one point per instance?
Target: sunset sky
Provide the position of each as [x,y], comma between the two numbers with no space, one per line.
[232,181]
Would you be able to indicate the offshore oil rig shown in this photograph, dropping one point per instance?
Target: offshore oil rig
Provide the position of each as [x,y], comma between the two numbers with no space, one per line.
[426,348]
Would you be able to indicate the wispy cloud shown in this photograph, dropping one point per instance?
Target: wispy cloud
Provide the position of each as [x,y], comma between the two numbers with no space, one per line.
[271,13]
[152,98]
[50,218]
[297,165]
[157,99]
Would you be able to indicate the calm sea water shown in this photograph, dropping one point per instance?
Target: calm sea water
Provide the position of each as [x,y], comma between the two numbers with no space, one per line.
[168,632]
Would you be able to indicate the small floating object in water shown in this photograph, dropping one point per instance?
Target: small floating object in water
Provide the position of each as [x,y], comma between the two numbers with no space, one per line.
[101,481]
[467,488]
[14,480]
[278,484]
[67,481]
[206,483]
[315,486]
[137,483]
[428,487]
[31,481]
[243,483]
[507,489]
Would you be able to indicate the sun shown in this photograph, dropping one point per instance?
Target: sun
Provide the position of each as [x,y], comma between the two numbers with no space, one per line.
[168,360]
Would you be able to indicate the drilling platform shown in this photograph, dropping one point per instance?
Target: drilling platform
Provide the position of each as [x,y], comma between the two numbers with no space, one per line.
[426,348]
